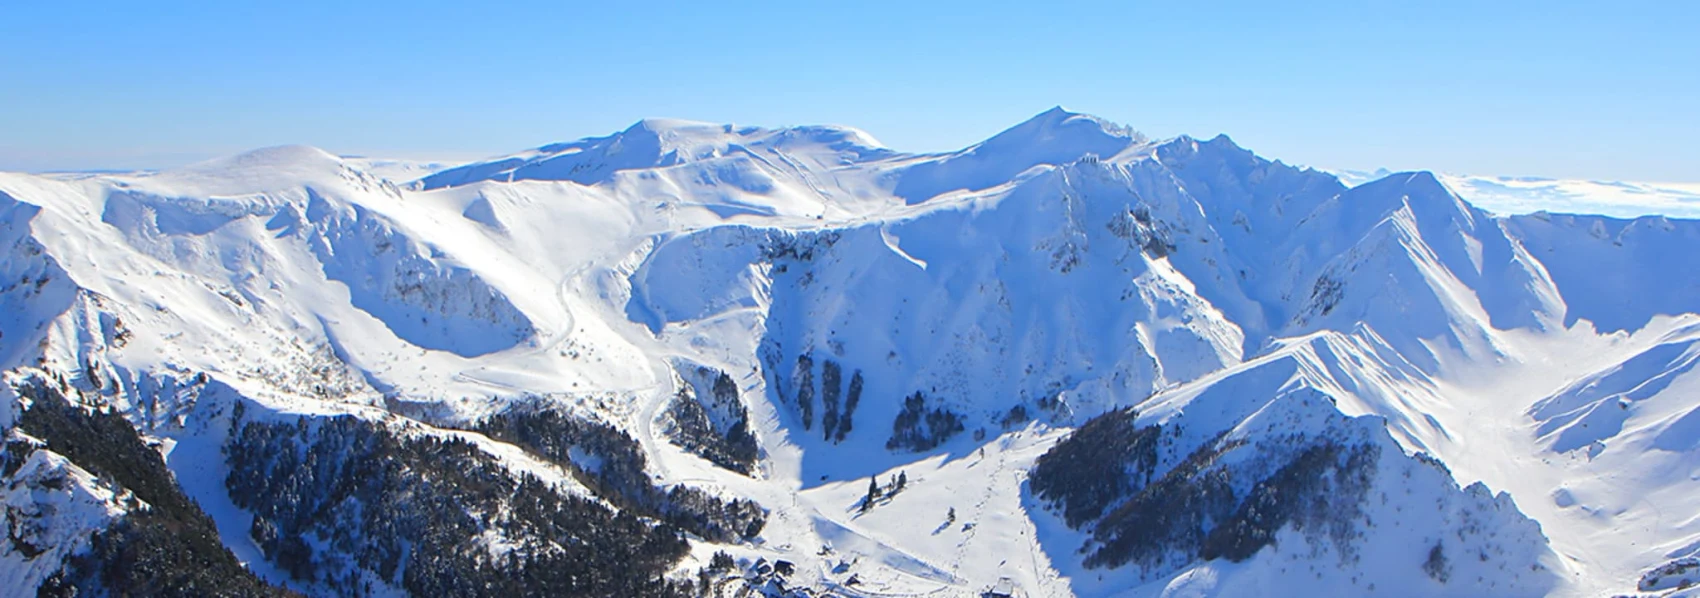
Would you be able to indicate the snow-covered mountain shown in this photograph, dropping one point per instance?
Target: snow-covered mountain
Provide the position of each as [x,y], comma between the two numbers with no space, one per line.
[1523,195]
[1067,360]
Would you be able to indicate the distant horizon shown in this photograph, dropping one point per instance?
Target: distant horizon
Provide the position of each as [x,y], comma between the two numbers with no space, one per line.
[1502,194]
[454,158]
[168,160]
[1568,91]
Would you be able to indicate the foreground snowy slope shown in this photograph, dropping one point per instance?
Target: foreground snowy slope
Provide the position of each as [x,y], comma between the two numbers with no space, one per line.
[1067,360]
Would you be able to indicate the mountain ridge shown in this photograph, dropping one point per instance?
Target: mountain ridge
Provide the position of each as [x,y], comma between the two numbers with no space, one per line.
[952,317]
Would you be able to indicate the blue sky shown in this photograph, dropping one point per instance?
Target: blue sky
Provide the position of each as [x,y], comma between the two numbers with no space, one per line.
[1562,89]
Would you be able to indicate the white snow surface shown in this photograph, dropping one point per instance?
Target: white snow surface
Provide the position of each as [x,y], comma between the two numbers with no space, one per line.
[53,507]
[1545,360]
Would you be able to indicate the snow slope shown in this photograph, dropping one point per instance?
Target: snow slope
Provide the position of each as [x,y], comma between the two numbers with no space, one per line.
[1523,384]
[52,507]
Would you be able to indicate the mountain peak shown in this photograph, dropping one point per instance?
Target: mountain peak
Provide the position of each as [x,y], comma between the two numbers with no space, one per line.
[677,130]
[264,169]
[1058,126]
[1419,182]
[1430,200]
[1183,147]
[280,156]
[658,125]
[659,142]
[1054,137]
[1057,114]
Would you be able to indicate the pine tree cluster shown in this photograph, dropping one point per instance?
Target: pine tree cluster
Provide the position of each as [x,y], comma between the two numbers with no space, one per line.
[342,501]
[918,428]
[617,472]
[170,548]
[1106,477]
[734,447]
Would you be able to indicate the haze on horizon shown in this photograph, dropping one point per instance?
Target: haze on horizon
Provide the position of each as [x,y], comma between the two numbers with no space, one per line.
[1567,90]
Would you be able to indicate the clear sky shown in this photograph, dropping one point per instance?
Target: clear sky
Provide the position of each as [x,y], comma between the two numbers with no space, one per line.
[1564,89]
